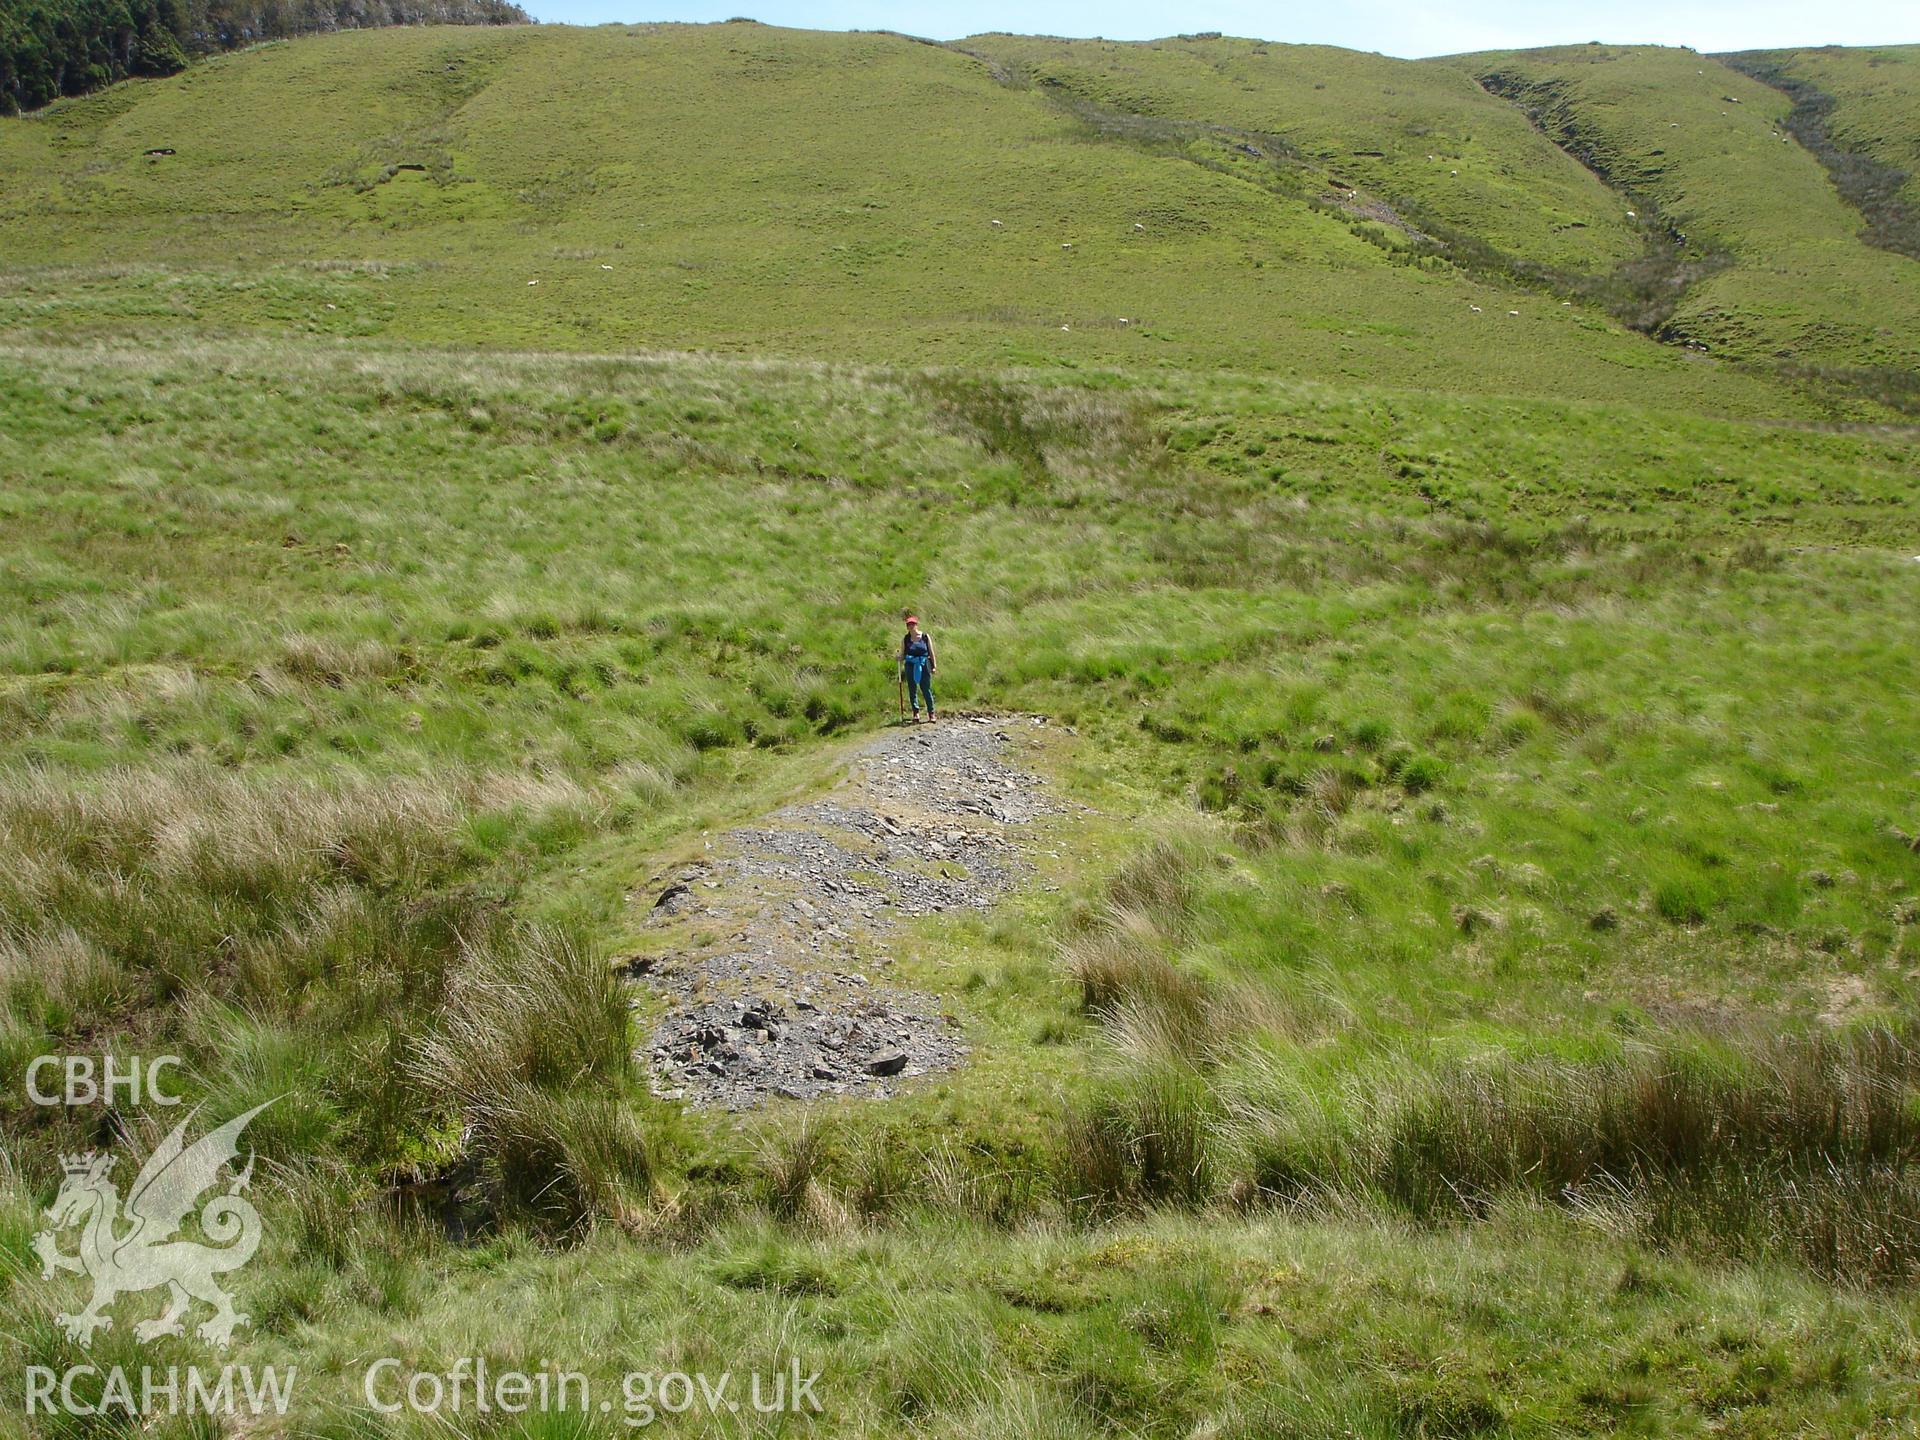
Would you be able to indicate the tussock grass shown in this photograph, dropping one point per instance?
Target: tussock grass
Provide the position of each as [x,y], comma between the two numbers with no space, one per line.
[1144,1140]
[1799,1146]
[529,1058]
[1546,751]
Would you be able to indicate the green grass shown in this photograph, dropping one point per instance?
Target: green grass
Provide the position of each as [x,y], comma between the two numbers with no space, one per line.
[1876,111]
[1860,123]
[354,692]
[1707,145]
[1423,137]
[1471,988]
[627,171]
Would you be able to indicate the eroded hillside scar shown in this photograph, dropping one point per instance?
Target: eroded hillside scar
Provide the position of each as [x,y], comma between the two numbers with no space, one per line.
[774,946]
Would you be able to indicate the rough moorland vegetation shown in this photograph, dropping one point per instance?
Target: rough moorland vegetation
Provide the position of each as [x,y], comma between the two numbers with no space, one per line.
[1463,979]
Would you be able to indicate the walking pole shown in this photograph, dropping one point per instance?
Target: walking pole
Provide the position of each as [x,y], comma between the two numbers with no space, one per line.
[900,681]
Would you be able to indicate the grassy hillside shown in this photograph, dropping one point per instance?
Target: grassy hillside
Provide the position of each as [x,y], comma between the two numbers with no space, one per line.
[1424,139]
[1468,986]
[611,188]
[353,693]
[1707,145]
[1860,110]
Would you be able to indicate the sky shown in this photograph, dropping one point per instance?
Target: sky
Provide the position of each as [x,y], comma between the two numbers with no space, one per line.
[1406,28]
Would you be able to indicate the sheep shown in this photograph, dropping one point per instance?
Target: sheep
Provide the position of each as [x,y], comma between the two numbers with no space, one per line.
[1474,308]
[1513,312]
[1632,216]
[995,223]
[1138,226]
[533,282]
[606,267]
[1066,245]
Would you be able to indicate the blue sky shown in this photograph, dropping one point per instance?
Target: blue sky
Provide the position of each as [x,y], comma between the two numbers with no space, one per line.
[1397,27]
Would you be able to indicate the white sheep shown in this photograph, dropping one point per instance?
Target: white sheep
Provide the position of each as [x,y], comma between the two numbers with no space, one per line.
[1474,308]
[1513,312]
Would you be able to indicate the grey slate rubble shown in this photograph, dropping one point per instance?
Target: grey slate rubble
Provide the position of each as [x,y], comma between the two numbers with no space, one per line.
[770,994]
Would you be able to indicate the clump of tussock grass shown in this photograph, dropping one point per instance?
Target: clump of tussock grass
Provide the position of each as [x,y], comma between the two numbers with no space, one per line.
[560,1161]
[793,1167]
[1123,958]
[334,661]
[132,901]
[531,1057]
[1144,1137]
[1120,955]
[1156,882]
[832,1175]
[1803,1147]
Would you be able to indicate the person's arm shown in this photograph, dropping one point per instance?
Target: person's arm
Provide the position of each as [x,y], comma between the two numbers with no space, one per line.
[932,667]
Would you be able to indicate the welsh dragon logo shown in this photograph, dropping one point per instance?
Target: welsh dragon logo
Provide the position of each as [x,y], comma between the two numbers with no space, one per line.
[146,1256]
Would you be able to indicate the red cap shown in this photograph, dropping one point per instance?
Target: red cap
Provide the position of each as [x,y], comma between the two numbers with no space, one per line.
[913,619]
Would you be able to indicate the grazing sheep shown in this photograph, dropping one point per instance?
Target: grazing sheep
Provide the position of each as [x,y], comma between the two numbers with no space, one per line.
[1474,308]
[994,223]
[533,282]
[1513,312]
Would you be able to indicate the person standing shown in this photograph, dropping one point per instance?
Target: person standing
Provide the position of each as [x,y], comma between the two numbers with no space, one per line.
[917,665]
